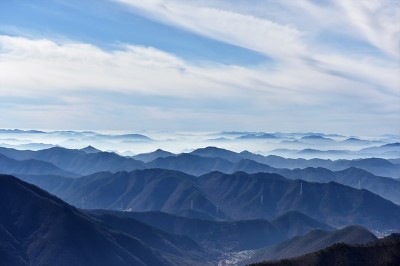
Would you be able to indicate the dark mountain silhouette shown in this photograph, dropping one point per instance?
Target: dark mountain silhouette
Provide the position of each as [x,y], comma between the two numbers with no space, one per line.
[384,251]
[375,166]
[198,165]
[228,235]
[251,167]
[394,161]
[386,187]
[148,157]
[90,149]
[238,196]
[391,149]
[178,245]
[78,161]
[126,137]
[28,146]
[295,142]
[263,195]
[355,141]
[83,163]
[18,131]
[280,162]
[40,229]
[191,164]
[257,136]
[311,242]
[316,153]
[205,160]
[295,223]
[220,139]
[214,152]
[357,178]
[316,139]
[142,190]
[198,162]
[30,167]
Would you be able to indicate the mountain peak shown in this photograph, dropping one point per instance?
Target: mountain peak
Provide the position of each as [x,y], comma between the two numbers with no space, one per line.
[90,149]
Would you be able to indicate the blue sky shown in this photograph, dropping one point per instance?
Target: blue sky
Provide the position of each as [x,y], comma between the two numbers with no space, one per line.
[204,65]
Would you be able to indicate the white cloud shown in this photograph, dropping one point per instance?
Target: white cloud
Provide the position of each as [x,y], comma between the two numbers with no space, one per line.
[251,96]
[264,36]
[307,86]
[308,73]
[377,21]
[32,66]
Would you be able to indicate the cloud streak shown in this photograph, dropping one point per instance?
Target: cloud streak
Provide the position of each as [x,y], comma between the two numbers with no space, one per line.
[308,86]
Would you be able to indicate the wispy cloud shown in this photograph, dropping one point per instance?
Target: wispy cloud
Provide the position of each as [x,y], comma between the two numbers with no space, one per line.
[376,21]
[309,86]
[247,31]
[63,72]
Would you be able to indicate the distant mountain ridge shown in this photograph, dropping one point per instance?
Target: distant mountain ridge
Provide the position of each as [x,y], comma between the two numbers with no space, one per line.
[30,167]
[67,162]
[148,157]
[77,161]
[80,162]
[377,166]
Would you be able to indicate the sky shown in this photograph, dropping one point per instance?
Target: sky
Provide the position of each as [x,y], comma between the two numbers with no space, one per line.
[201,65]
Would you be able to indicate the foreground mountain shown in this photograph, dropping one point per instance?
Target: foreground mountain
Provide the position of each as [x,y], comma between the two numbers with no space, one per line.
[384,251]
[226,236]
[313,241]
[40,229]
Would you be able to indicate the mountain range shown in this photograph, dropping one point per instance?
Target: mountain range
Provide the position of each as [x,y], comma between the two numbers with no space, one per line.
[196,163]
[205,206]
[226,236]
[263,195]
[40,229]
[224,196]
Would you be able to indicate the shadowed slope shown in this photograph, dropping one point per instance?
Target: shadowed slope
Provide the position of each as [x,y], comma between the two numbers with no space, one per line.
[384,251]
[40,229]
